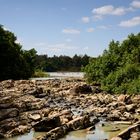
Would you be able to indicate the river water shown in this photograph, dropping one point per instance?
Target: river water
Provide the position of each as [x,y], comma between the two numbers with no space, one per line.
[61,75]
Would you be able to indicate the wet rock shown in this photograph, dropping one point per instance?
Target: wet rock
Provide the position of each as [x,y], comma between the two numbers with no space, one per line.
[18,131]
[47,124]
[79,123]
[55,133]
[126,134]
[91,128]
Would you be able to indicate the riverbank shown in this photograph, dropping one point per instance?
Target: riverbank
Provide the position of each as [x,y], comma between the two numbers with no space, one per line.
[60,106]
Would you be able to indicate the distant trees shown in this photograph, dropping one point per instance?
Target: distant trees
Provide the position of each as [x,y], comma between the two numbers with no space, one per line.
[61,63]
[118,68]
[15,63]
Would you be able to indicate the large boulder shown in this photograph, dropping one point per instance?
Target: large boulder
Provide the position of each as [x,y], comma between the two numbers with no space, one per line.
[84,89]
[47,124]
[79,123]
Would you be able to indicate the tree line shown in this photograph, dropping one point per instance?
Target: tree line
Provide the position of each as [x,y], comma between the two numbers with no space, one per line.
[61,63]
[118,68]
[16,63]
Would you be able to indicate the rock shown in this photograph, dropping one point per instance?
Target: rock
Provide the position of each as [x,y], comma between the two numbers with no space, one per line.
[47,124]
[1,135]
[18,131]
[35,117]
[91,128]
[138,111]
[79,123]
[131,107]
[122,98]
[116,138]
[126,133]
[114,116]
[55,133]
[84,89]
[8,113]
[135,136]
[6,105]
[128,116]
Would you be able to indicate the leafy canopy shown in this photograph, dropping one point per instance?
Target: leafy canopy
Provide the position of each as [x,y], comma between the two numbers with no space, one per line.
[15,63]
[118,68]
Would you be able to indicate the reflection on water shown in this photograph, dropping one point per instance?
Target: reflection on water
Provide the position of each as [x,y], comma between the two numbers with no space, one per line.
[27,136]
[101,132]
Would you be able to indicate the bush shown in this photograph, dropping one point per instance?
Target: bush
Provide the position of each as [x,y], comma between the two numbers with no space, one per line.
[118,69]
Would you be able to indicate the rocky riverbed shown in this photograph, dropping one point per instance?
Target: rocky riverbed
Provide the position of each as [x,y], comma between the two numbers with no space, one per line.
[60,106]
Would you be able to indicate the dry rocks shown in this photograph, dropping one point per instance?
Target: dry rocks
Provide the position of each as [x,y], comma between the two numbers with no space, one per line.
[59,106]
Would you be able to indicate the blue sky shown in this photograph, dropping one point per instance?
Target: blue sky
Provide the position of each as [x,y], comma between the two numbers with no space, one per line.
[68,27]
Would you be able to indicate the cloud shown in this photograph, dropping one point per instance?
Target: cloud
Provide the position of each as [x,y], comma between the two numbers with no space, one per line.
[97,17]
[109,10]
[90,30]
[135,4]
[135,21]
[85,19]
[71,31]
[104,10]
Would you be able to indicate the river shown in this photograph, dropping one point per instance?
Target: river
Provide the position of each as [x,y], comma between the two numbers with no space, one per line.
[61,75]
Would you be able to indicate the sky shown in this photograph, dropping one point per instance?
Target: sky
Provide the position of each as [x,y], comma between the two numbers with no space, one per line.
[69,27]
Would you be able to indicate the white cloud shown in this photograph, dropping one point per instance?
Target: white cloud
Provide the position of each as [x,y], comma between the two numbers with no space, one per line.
[119,11]
[104,10]
[19,41]
[85,19]
[97,17]
[135,21]
[135,4]
[90,30]
[109,10]
[71,31]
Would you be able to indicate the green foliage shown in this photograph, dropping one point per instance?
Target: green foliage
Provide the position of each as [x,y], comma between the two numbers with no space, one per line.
[118,69]
[61,63]
[40,73]
[15,63]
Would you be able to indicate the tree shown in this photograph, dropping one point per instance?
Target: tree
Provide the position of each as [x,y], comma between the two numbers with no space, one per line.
[15,63]
[118,68]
